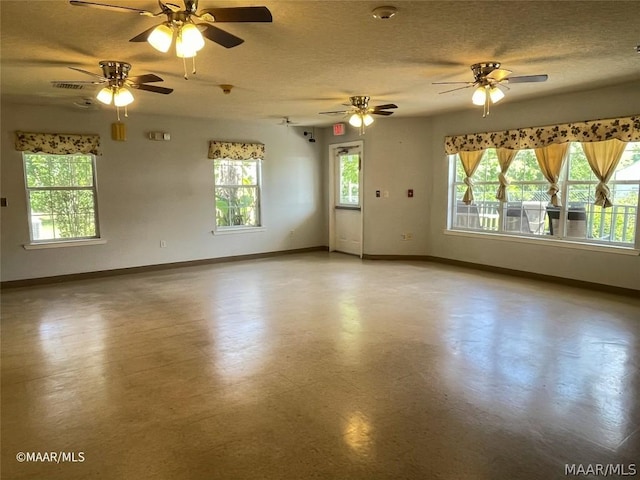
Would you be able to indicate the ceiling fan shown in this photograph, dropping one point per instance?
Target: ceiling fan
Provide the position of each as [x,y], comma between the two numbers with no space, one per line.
[180,24]
[489,78]
[115,78]
[361,112]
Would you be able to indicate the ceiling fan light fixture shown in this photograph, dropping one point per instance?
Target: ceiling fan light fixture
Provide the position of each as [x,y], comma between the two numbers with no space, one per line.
[384,13]
[479,96]
[161,38]
[355,120]
[105,95]
[183,50]
[367,119]
[496,94]
[191,37]
[122,97]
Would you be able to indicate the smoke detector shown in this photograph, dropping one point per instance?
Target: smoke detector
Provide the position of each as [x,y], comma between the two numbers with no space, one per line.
[226,89]
[384,13]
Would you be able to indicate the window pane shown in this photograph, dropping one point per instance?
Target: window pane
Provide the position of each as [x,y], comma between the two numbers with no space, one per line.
[579,168]
[629,166]
[349,180]
[237,192]
[482,214]
[37,170]
[489,168]
[59,210]
[525,168]
[73,213]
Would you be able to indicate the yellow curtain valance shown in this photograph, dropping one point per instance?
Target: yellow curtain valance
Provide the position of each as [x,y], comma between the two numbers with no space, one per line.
[625,129]
[235,150]
[58,143]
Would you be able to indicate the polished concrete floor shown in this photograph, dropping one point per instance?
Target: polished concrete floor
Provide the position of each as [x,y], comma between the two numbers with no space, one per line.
[318,366]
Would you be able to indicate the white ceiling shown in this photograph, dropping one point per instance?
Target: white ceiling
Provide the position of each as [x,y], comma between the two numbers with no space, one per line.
[316,54]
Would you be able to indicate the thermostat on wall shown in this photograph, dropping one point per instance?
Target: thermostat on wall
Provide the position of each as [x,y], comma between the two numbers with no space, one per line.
[159,136]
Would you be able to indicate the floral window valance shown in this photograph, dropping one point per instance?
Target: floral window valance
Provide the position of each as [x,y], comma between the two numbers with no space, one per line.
[58,143]
[625,129]
[235,150]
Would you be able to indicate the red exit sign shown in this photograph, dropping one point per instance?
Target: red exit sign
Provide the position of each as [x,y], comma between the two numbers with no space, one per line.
[338,129]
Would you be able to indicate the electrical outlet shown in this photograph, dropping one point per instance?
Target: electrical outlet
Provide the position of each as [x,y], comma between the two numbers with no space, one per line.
[407,236]
[163,244]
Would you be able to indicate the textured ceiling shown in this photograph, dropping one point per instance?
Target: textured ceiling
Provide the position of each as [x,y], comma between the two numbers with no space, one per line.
[316,54]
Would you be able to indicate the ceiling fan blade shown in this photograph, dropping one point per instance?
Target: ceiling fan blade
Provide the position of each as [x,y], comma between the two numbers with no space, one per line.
[499,74]
[172,7]
[114,8]
[452,83]
[382,112]
[527,78]
[88,73]
[459,88]
[238,14]
[335,112]
[385,107]
[75,82]
[150,88]
[219,36]
[146,78]
[142,37]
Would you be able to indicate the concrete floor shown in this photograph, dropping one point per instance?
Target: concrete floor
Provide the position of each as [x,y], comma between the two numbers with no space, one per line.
[318,366]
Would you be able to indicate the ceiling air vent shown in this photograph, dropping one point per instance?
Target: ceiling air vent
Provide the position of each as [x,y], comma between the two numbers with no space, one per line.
[70,86]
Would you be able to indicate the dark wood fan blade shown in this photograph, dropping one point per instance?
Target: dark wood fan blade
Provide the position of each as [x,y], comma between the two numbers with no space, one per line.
[385,107]
[114,8]
[382,112]
[151,88]
[528,78]
[334,113]
[239,14]
[142,37]
[219,36]
[88,73]
[146,78]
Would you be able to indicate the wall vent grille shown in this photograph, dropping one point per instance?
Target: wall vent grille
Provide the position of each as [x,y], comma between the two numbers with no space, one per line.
[70,86]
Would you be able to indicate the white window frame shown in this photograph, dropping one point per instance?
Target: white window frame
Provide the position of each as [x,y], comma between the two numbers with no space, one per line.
[66,241]
[224,229]
[561,238]
[338,172]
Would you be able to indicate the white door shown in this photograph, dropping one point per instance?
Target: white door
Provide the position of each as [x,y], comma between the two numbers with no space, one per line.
[346,198]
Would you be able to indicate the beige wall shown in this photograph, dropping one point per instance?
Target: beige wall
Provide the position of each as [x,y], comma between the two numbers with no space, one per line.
[591,266]
[150,191]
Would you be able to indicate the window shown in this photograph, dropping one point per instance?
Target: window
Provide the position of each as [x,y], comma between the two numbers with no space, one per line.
[237,192]
[61,196]
[348,180]
[528,210]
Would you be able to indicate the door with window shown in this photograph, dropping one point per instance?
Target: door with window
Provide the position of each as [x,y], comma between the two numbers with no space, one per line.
[346,201]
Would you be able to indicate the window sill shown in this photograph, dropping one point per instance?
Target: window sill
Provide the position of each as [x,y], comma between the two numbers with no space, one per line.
[63,244]
[547,242]
[236,230]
